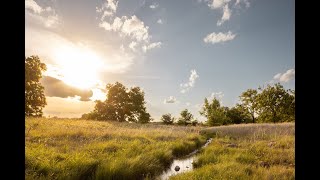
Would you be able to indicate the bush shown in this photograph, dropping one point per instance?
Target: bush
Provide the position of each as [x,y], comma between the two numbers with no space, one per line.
[167,119]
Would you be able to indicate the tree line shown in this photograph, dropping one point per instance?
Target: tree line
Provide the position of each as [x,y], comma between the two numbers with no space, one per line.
[269,104]
[266,104]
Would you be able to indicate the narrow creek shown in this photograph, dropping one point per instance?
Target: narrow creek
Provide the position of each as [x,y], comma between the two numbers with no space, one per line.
[185,164]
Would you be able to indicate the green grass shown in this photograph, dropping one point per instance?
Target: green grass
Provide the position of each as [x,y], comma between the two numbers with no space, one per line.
[84,149]
[250,151]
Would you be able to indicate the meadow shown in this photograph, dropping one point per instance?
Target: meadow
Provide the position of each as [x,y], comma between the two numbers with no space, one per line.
[253,151]
[86,149]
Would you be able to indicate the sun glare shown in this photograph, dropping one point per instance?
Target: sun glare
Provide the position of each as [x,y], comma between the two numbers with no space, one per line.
[79,66]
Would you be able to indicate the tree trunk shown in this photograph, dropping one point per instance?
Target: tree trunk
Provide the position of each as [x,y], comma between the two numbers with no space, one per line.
[274,116]
[252,115]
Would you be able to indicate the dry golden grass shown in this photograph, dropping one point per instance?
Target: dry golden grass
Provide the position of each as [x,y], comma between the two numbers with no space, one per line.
[251,151]
[73,149]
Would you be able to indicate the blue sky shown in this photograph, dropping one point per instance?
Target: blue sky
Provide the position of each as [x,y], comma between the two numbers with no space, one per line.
[186,49]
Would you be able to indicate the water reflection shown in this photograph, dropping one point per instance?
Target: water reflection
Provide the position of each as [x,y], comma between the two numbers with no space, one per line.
[185,164]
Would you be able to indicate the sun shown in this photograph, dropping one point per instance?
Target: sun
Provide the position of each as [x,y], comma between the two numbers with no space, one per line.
[79,66]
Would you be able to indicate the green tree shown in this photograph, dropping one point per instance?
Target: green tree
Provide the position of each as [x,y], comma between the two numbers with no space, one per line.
[276,104]
[238,115]
[122,104]
[215,114]
[167,119]
[35,99]
[185,117]
[249,102]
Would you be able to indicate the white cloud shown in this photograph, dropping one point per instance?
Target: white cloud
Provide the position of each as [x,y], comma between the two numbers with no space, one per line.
[145,48]
[215,4]
[106,26]
[153,6]
[159,21]
[285,77]
[108,8]
[188,104]
[192,79]
[171,99]
[132,45]
[224,5]
[219,37]
[32,5]
[226,15]
[135,28]
[40,15]
[131,28]
[115,26]
[217,95]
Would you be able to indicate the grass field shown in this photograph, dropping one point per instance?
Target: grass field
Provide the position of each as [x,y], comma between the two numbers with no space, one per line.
[84,149]
[254,151]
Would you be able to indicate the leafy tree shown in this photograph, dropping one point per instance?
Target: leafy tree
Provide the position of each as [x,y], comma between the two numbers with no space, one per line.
[122,104]
[167,119]
[215,114]
[35,99]
[194,122]
[185,117]
[238,115]
[249,102]
[276,104]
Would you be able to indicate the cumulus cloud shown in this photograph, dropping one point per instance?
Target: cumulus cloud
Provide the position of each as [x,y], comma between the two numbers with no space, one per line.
[130,27]
[219,37]
[133,45]
[153,6]
[285,77]
[32,5]
[215,4]
[185,87]
[171,99]
[224,7]
[108,8]
[145,48]
[226,15]
[56,88]
[41,15]
[159,21]
[133,28]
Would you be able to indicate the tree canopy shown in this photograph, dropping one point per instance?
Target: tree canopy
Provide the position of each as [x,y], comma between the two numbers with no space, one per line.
[122,104]
[167,119]
[276,104]
[249,102]
[270,104]
[35,99]
[215,114]
[185,118]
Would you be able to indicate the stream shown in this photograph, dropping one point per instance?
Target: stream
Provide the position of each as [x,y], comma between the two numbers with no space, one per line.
[185,164]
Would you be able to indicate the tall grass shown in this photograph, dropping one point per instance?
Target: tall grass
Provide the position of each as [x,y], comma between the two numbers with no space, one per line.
[85,149]
[253,151]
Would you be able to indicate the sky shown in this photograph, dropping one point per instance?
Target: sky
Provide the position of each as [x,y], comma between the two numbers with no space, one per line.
[179,52]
